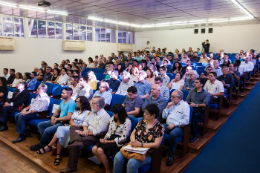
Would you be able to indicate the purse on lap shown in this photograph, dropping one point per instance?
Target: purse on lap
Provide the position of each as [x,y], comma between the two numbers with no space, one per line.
[128,155]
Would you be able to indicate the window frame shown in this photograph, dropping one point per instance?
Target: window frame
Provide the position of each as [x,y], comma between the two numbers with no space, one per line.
[2,25]
[105,41]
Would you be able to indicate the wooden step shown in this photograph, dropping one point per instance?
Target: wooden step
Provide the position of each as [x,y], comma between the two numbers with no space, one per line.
[197,146]
[224,111]
[214,125]
[242,94]
[237,101]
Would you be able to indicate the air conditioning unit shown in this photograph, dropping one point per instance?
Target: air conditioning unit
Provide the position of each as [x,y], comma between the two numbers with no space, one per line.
[74,45]
[124,47]
[7,43]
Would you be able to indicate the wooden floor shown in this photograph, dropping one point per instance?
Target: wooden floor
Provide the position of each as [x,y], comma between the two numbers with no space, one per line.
[44,163]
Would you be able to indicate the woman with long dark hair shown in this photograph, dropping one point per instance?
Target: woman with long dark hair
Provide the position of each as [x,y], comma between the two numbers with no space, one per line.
[119,131]
[177,67]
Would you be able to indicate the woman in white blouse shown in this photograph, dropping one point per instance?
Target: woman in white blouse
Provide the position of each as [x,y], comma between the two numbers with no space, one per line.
[118,133]
[17,80]
[134,75]
[90,63]
[62,135]
[176,83]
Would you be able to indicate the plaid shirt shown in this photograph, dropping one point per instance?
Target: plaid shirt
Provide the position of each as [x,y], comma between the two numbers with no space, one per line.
[41,103]
[32,84]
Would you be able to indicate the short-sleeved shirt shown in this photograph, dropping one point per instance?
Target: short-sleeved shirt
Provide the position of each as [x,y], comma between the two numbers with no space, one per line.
[130,105]
[67,107]
[78,119]
[107,96]
[164,92]
[143,88]
[166,79]
[160,101]
[216,87]
[177,85]
[188,83]
[198,97]
[148,137]
[113,84]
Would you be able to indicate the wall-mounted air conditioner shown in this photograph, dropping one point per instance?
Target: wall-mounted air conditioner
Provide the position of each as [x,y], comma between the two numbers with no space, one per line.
[7,43]
[124,47]
[74,45]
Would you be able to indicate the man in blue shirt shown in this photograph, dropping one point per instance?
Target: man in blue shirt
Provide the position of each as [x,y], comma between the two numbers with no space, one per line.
[62,114]
[143,87]
[113,83]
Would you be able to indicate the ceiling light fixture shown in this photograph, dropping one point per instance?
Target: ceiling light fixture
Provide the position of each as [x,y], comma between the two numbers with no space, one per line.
[31,8]
[135,25]
[110,21]
[8,4]
[197,22]
[217,20]
[162,24]
[242,8]
[148,26]
[180,23]
[240,18]
[57,12]
[95,18]
[123,23]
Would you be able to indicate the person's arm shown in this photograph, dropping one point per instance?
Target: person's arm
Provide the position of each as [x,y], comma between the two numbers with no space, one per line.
[145,96]
[135,112]
[43,106]
[236,76]
[72,122]
[162,104]
[170,84]
[56,81]
[119,89]
[185,116]
[167,110]
[144,105]
[181,87]
[66,118]
[126,131]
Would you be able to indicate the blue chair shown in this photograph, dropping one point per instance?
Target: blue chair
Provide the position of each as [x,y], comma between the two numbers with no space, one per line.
[37,85]
[117,99]
[185,94]
[84,73]
[96,70]
[102,71]
[200,68]
[197,64]
[171,94]
[32,96]
[110,113]
[102,76]
[56,90]
[170,75]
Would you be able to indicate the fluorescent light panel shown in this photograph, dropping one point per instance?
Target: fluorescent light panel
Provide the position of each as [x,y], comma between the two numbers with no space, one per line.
[57,12]
[110,21]
[162,24]
[123,23]
[95,18]
[242,8]
[8,4]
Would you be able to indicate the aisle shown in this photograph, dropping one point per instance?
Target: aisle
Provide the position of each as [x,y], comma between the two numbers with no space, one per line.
[235,147]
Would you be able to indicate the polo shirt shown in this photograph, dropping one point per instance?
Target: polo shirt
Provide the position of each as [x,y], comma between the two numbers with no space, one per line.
[160,101]
[229,80]
[113,84]
[218,71]
[122,89]
[130,105]
[216,87]
[143,88]
[67,107]
[166,79]
[198,97]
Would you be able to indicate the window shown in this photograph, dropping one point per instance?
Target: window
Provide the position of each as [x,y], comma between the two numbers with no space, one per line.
[79,32]
[121,36]
[130,37]
[50,30]
[32,27]
[105,35]
[69,32]
[89,33]
[203,31]
[18,27]
[8,26]
[41,29]
[58,27]
[97,34]
[196,31]
[210,30]
[0,28]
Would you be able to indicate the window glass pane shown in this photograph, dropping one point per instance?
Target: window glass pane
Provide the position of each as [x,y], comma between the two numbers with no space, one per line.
[69,32]
[8,26]
[103,34]
[108,35]
[0,27]
[51,29]
[58,30]
[89,33]
[130,37]
[97,34]
[76,32]
[41,29]
[83,32]
[124,37]
[120,36]
[7,10]
[18,27]
[32,27]
[113,36]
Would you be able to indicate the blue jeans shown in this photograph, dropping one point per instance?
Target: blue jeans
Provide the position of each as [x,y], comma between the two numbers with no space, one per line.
[175,133]
[47,131]
[132,165]
[21,122]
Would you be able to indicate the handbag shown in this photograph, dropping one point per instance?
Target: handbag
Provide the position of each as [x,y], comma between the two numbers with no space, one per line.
[128,155]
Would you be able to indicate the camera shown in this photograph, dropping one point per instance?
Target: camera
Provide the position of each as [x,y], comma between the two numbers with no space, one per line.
[203,43]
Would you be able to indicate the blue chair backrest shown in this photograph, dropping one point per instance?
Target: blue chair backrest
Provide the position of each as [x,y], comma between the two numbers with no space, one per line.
[185,94]
[49,90]
[11,90]
[37,85]
[102,70]
[84,73]
[170,75]
[197,64]
[52,102]
[95,70]
[134,122]
[191,111]
[200,68]
[102,76]
[117,99]
[32,96]
[110,113]
[88,69]
[56,90]
[173,75]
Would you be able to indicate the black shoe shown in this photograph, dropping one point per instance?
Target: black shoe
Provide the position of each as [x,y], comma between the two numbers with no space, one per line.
[3,128]
[19,139]
[194,139]
[35,147]
[170,161]
[28,134]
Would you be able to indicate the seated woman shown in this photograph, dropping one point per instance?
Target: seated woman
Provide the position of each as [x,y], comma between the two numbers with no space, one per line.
[135,74]
[119,131]
[176,83]
[3,87]
[90,63]
[62,134]
[154,69]
[177,67]
[103,92]
[150,77]
[30,80]
[55,76]
[129,68]
[148,133]
[40,75]
[120,69]
[17,80]
[92,80]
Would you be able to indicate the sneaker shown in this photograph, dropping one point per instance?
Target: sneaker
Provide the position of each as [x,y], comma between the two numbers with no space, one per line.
[194,139]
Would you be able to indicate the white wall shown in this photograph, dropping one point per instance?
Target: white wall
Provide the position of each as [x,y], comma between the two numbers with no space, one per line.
[229,38]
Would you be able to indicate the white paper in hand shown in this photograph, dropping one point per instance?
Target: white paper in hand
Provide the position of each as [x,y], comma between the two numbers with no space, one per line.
[55,107]
[10,95]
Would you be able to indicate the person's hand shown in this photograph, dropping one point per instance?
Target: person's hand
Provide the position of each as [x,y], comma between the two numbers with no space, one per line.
[193,104]
[1,94]
[170,104]
[170,127]
[83,133]
[210,94]
[53,120]
[230,72]
[136,144]
[7,104]
[223,83]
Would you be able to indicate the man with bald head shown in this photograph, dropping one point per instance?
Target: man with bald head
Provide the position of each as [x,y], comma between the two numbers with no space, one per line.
[36,70]
[155,98]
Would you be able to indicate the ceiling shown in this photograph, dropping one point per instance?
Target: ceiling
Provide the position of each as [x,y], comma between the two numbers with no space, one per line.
[155,11]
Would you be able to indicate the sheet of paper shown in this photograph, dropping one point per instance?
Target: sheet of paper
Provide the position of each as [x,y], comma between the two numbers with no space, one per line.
[10,95]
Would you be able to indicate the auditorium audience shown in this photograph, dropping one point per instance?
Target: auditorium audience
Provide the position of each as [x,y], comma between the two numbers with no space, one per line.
[183,69]
[177,67]
[104,93]
[151,139]
[177,113]
[63,78]
[156,98]
[48,128]
[3,89]
[92,80]
[40,75]
[89,134]
[74,85]
[150,77]
[236,75]
[204,58]
[14,104]
[227,80]
[164,91]
[125,84]
[143,87]
[177,83]
[197,98]
[184,57]
[134,75]
[17,80]
[119,131]
[217,69]
[189,83]
[90,63]
[40,104]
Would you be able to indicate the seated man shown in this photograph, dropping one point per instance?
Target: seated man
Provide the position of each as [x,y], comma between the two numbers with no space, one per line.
[125,84]
[5,72]
[113,82]
[143,87]
[197,98]
[156,98]
[48,128]
[216,68]
[19,98]
[206,76]
[63,78]
[11,77]
[31,85]
[164,76]
[225,59]
[47,75]
[227,80]
[40,104]
[177,114]
[236,75]
[195,57]
[133,102]
[101,64]
[74,85]
[188,64]
[204,58]
[96,122]
[189,83]
[164,91]
[84,89]
[104,93]
[214,87]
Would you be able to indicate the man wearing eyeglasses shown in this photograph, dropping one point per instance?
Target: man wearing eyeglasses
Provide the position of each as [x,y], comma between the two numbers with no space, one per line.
[189,83]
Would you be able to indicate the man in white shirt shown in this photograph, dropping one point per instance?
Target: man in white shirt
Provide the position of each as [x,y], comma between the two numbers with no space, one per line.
[6,75]
[84,89]
[147,47]
[249,66]
[217,69]
[166,79]
[177,113]
[63,78]
[214,87]
[125,84]
[96,123]
[74,81]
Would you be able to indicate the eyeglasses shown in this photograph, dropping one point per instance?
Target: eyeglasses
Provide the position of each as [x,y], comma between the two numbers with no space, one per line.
[196,82]
[93,103]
